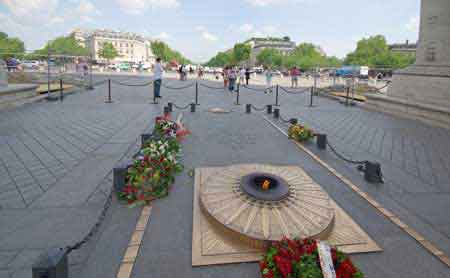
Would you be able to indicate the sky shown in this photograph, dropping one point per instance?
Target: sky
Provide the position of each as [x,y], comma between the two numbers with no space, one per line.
[201,28]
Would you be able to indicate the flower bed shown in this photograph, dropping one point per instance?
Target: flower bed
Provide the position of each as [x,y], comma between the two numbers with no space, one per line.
[300,133]
[154,169]
[300,259]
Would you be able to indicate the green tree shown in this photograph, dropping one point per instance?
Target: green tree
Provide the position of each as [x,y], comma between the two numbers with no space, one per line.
[10,47]
[241,52]
[163,51]
[374,52]
[220,60]
[108,52]
[270,57]
[64,46]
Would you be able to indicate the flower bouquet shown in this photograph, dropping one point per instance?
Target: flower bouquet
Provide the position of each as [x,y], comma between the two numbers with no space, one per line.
[164,126]
[300,133]
[300,259]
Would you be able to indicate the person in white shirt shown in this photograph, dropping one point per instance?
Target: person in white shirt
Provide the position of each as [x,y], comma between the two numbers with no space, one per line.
[158,72]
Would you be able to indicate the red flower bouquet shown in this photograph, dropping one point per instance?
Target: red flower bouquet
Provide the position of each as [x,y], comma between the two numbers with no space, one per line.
[300,259]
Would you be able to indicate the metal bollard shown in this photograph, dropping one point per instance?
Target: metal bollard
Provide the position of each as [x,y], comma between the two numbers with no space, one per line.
[144,138]
[293,121]
[196,93]
[276,96]
[109,92]
[237,94]
[347,97]
[61,90]
[119,175]
[170,106]
[52,264]
[269,109]
[311,97]
[166,110]
[276,113]
[248,108]
[192,107]
[372,172]
[321,140]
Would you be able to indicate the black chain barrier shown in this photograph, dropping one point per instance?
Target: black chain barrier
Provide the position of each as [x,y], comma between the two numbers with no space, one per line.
[358,162]
[181,107]
[178,88]
[259,109]
[211,87]
[131,85]
[270,89]
[94,228]
[284,120]
[294,92]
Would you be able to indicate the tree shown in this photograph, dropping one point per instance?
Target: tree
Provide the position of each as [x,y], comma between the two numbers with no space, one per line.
[64,46]
[10,47]
[241,52]
[108,52]
[374,52]
[270,57]
[220,60]
[163,51]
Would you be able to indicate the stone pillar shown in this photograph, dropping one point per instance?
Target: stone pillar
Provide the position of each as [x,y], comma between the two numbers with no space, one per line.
[3,74]
[422,91]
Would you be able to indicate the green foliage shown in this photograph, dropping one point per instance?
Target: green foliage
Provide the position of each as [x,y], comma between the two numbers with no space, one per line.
[241,52]
[63,46]
[270,57]
[108,51]
[163,51]
[374,52]
[220,60]
[10,47]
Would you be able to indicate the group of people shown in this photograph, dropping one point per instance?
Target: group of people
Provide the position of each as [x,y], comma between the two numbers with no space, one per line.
[234,75]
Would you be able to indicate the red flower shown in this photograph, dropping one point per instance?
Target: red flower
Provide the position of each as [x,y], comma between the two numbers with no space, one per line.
[141,197]
[284,265]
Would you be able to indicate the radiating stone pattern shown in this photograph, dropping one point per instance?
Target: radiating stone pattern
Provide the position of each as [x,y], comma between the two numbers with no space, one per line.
[306,213]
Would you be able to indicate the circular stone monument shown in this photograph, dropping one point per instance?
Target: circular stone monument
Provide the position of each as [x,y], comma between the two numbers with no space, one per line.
[264,203]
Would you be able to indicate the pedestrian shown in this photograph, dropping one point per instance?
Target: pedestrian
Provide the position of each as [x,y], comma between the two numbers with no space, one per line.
[180,72]
[241,76]
[269,74]
[294,77]
[158,72]
[232,76]
[247,75]
[225,77]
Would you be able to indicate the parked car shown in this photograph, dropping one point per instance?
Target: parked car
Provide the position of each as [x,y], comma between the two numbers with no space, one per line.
[30,64]
[124,66]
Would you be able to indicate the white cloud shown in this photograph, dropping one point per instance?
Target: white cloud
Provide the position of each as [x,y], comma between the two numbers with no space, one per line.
[269,29]
[265,3]
[31,12]
[208,36]
[86,7]
[56,20]
[163,36]
[140,6]
[413,24]
[246,28]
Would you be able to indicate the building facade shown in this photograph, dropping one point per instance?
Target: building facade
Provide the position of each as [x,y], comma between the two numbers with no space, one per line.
[284,45]
[405,48]
[132,48]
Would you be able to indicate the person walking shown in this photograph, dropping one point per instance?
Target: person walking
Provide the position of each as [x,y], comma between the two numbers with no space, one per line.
[269,74]
[247,75]
[241,76]
[158,72]
[225,77]
[232,76]
[294,77]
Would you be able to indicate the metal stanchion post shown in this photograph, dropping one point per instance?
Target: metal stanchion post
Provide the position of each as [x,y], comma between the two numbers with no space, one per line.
[61,96]
[321,141]
[311,97]
[269,109]
[170,106]
[248,108]
[109,100]
[276,113]
[276,96]
[348,96]
[192,107]
[196,93]
[315,80]
[48,73]
[237,94]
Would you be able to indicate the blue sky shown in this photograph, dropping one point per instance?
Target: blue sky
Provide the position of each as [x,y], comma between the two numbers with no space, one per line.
[201,28]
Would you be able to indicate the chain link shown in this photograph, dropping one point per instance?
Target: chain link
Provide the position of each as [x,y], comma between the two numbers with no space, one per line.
[132,85]
[211,87]
[181,107]
[177,88]
[94,228]
[344,158]
[259,90]
[294,92]
[258,109]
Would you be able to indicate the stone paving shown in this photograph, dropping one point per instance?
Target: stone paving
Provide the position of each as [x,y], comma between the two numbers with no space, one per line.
[56,160]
